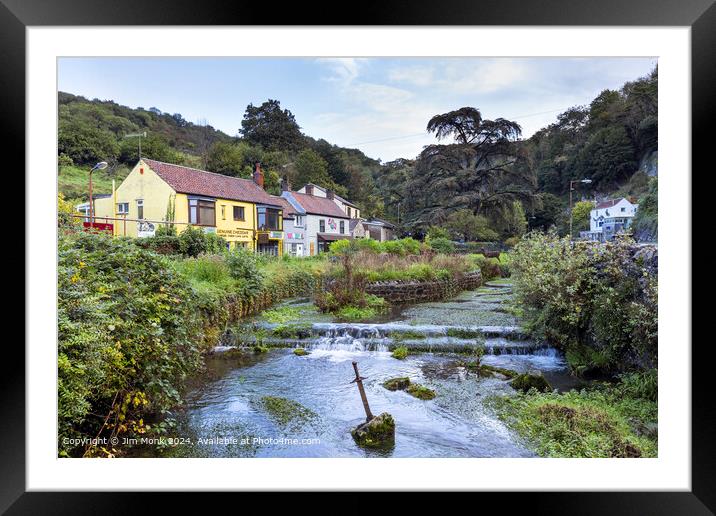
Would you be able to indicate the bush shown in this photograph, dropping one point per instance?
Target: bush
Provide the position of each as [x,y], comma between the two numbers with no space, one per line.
[194,241]
[243,265]
[512,241]
[402,247]
[441,245]
[162,244]
[489,267]
[592,301]
[128,336]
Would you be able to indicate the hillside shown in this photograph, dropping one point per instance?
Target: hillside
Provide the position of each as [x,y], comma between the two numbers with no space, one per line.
[504,185]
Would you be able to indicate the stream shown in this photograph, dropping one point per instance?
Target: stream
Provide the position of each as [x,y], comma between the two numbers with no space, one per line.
[223,415]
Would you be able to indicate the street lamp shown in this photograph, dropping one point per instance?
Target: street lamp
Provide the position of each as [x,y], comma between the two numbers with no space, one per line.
[571,189]
[99,166]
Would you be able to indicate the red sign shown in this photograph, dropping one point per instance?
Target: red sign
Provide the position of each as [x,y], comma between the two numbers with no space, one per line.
[99,226]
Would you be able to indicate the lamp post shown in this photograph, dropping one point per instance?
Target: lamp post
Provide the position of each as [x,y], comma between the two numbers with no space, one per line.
[571,189]
[99,166]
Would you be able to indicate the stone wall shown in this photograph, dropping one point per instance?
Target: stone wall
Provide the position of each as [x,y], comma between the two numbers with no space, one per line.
[400,292]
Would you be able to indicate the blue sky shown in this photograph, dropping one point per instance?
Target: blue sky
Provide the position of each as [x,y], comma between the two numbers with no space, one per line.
[379,105]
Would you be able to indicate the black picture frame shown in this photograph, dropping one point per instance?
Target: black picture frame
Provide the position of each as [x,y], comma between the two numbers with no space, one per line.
[700,15]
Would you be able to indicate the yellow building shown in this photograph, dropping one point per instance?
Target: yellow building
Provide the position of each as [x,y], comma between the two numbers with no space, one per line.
[154,193]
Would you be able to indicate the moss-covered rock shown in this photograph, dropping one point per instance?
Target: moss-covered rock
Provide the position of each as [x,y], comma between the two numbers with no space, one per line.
[260,348]
[400,352]
[397,384]
[300,352]
[420,391]
[379,432]
[497,371]
[526,381]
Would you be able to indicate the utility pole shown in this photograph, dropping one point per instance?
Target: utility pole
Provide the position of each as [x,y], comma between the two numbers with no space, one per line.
[139,136]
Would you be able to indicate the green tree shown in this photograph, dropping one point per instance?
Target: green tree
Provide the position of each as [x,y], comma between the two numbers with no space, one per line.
[463,223]
[310,167]
[581,211]
[271,127]
[481,171]
[547,211]
[231,159]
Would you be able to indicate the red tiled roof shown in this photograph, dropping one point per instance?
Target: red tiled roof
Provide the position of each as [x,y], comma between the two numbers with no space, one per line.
[200,182]
[319,205]
[608,204]
[288,209]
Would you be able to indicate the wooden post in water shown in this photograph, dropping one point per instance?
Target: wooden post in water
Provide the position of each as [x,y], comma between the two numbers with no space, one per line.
[359,380]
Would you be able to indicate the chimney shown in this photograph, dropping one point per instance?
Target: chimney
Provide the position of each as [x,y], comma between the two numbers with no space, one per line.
[285,185]
[309,189]
[329,193]
[259,175]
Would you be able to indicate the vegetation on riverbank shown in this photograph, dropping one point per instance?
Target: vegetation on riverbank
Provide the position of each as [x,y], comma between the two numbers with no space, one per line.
[594,302]
[133,324]
[606,421]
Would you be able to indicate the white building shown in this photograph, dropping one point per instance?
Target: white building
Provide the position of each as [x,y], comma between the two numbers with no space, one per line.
[318,219]
[609,218]
[350,209]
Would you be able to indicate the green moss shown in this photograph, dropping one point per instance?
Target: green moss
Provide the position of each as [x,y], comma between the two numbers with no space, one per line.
[399,336]
[420,391]
[282,314]
[489,371]
[527,381]
[400,352]
[259,348]
[509,373]
[596,423]
[463,333]
[397,384]
[379,432]
[285,411]
[292,331]
[300,352]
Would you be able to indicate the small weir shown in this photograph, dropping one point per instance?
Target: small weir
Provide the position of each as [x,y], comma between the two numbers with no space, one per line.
[227,401]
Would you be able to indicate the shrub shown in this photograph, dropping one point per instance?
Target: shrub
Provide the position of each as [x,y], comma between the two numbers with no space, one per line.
[162,244]
[128,335]
[402,247]
[243,266]
[512,241]
[441,245]
[193,242]
[592,301]
[489,267]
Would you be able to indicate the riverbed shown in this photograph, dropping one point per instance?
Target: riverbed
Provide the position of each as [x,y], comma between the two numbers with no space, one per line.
[224,414]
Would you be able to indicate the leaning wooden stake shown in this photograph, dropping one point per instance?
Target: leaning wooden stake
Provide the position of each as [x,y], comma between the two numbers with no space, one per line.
[359,380]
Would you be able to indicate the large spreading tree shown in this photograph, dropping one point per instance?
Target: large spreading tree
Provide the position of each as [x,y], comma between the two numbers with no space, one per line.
[480,170]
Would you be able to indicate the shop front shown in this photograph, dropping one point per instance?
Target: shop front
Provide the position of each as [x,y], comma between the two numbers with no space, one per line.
[325,240]
[270,242]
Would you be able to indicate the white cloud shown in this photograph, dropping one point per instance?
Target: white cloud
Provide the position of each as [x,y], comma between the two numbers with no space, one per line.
[344,69]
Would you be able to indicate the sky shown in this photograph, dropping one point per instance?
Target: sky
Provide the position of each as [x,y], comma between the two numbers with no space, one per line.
[378,105]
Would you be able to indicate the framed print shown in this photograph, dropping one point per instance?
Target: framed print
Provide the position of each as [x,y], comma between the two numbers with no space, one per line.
[417,252]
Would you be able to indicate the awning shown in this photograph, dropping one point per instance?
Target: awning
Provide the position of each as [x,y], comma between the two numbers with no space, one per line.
[332,237]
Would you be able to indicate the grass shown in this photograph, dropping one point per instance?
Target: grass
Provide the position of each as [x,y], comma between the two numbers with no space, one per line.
[604,422]
[73,182]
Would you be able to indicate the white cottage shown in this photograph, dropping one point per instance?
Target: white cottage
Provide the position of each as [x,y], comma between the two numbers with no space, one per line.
[609,218]
[322,221]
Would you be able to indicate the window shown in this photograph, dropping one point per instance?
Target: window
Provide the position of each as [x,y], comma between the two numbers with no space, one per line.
[269,219]
[140,208]
[348,210]
[322,226]
[122,208]
[202,212]
[239,213]
[223,212]
[299,221]
[343,227]
[623,210]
